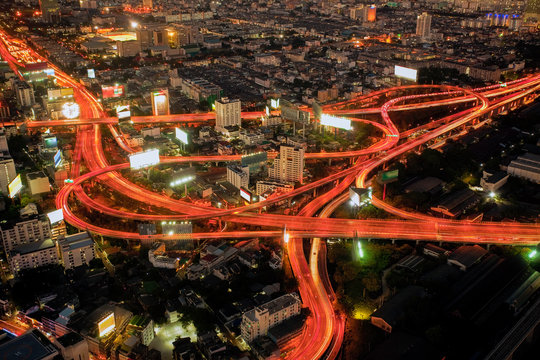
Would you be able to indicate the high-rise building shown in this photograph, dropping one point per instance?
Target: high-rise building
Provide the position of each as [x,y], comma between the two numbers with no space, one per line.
[423,25]
[160,102]
[147,4]
[289,165]
[238,176]
[33,255]
[7,172]
[228,113]
[532,11]
[50,10]
[24,232]
[259,320]
[76,250]
[24,94]
[369,13]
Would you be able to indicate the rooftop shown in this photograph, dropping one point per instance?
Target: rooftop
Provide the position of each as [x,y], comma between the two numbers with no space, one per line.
[32,345]
[33,247]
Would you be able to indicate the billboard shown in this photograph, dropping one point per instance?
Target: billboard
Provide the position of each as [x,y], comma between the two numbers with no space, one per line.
[57,159]
[360,196]
[160,102]
[406,73]
[143,159]
[55,216]
[181,135]
[71,110]
[389,176]
[112,91]
[274,103]
[173,227]
[337,122]
[51,142]
[245,194]
[123,112]
[106,325]
[15,186]
[91,74]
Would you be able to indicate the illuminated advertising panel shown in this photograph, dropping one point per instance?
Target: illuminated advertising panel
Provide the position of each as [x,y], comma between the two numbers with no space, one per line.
[337,122]
[55,216]
[123,112]
[181,135]
[15,186]
[57,159]
[71,110]
[51,142]
[245,194]
[160,102]
[405,73]
[144,159]
[91,74]
[112,91]
[106,325]
[274,103]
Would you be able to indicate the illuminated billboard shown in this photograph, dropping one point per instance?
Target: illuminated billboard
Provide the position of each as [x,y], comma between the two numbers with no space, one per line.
[274,103]
[245,194]
[405,73]
[337,122]
[181,135]
[112,91]
[55,216]
[51,142]
[57,159]
[91,74]
[144,159]
[160,102]
[123,112]
[360,196]
[71,110]
[106,325]
[15,186]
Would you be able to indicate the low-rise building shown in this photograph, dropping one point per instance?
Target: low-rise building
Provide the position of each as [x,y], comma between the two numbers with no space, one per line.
[493,181]
[526,166]
[259,320]
[38,183]
[143,328]
[388,315]
[466,256]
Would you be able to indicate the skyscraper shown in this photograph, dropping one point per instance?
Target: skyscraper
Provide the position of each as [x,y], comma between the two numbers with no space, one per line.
[289,165]
[50,10]
[423,25]
[228,112]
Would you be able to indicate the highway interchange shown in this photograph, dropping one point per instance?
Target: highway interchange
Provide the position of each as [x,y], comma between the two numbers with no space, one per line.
[324,330]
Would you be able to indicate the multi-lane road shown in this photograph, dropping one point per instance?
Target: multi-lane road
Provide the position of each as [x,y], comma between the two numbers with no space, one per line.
[323,333]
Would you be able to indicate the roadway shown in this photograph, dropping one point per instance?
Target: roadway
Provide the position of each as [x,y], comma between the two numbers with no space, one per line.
[324,329]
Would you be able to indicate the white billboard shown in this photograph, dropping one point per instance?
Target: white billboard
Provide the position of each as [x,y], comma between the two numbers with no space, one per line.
[338,122]
[144,159]
[15,186]
[406,73]
[274,103]
[71,110]
[123,112]
[55,216]
[91,74]
[181,135]
[245,194]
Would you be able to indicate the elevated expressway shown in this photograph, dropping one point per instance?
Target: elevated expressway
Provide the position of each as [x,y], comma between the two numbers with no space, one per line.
[323,333]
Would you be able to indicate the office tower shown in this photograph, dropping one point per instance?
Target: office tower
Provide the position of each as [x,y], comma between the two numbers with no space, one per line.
[423,25]
[24,94]
[7,172]
[370,13]
[228,113]
[289,165]
[50,10]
